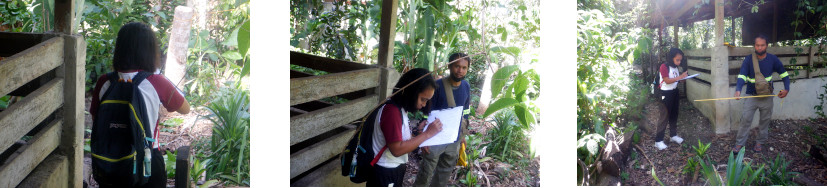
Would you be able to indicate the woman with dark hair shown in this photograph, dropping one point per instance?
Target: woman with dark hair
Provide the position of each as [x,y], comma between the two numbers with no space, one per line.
[392,136]
[669,77]
[136,53]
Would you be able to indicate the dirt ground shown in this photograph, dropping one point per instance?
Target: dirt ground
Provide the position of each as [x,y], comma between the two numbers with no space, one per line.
[497,174]
[196,125]
[790,137]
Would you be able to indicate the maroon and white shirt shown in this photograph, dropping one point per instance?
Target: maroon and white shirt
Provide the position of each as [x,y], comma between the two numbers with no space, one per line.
[668,72]
[157,90]
[390,126]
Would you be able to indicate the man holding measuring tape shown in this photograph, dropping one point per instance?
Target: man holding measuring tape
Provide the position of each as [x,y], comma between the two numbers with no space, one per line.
[758,84]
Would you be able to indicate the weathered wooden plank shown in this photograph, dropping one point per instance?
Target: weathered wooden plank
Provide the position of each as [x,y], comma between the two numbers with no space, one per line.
[324,64]
[74,74]
[697,52]
[314,88]
[27,65]
[818,72]
[705,65]
[703,76]
[799,60]
[314,155]
[328,175]
[26,158]
[316,122]
[20,118]
[52,172]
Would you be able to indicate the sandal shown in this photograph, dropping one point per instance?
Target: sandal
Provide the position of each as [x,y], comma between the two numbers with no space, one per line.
[736,148]
[758,148]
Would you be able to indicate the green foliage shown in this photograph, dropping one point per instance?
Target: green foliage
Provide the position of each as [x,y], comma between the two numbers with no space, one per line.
[4,102]
[710,172]
[102,19]
[473,146]
[169,161]
[740,173]
[777,173]
[519,94]
[173,122]
[819,107]
[700,151]
[508,139]
[223,45]
[655,175]
[230,142]
[329,32]
[690,166]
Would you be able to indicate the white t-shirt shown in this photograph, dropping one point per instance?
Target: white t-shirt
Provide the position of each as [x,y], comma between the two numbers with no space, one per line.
[671,72]
[387,159]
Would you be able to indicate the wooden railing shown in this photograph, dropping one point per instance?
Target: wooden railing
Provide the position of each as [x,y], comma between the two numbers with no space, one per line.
[41,137]
[796,62]
[319,130]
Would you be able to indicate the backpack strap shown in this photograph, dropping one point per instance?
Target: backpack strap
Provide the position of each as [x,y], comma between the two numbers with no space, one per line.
[140,77]
[449,93]
[381,151]
[378,155]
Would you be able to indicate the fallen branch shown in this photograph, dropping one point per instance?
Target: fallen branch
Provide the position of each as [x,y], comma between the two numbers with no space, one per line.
[647,157]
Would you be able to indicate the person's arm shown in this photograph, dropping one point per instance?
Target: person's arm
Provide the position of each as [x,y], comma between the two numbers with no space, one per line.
[742,77]
[782,72]
[185,108]
[399,148]
[170,96]
[664,73]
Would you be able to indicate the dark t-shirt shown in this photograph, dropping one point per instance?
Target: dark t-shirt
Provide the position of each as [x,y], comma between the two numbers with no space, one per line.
[462,97]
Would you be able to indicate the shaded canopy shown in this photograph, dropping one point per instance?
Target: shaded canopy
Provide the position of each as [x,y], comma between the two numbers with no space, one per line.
[773,18]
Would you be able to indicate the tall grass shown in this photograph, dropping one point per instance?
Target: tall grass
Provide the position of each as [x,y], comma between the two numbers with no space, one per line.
[230,143]
[508,139]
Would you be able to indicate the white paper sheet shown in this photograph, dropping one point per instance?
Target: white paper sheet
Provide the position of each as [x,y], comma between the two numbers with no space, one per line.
[690,76]
[450,119]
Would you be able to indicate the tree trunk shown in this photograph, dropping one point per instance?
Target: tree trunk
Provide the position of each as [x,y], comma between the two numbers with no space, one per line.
[175,66]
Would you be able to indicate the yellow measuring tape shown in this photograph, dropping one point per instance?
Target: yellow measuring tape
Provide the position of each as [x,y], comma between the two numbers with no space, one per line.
[730,98]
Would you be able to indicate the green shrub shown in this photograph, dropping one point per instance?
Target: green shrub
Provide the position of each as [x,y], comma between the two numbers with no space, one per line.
[508,139]
[230,144]
[777,173]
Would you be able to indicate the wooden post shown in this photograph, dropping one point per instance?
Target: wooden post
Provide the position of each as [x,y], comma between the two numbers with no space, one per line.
[720,72]
[182,166]
[675,40]
[74,76]
[64,16]
[387,30]
[176,64]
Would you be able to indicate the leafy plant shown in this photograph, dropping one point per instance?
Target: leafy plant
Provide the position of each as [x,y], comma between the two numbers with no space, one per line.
[520,94]
[740,173]
[169,161]
[777,173]
[691,164]
[701,149]
[710,173]
[508,138]
[230,142]
[173,122]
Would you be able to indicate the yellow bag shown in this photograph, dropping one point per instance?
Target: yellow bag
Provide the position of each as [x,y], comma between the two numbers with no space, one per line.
[462,161]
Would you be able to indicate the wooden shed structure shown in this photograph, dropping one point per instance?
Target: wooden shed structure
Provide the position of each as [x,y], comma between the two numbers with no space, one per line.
[320,130]
[718,66]
[42,135]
